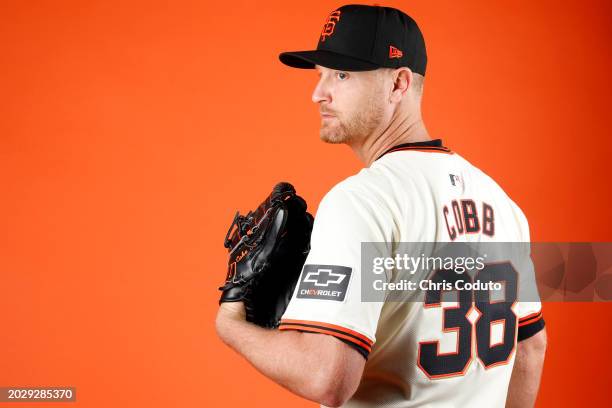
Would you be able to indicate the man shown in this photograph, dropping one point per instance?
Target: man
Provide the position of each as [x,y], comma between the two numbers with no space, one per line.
[333,347]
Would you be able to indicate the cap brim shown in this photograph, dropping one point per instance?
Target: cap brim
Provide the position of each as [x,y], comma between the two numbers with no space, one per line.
[327,59]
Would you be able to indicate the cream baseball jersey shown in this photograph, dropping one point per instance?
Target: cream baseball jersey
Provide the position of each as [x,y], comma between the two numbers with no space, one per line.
[438,352]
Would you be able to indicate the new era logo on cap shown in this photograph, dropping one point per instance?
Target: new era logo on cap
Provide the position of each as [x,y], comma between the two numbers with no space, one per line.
[395,52]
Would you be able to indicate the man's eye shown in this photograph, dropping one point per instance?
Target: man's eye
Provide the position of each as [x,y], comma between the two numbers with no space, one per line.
[342,75]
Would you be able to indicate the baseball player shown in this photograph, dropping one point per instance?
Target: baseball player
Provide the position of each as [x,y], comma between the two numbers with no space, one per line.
[338,350]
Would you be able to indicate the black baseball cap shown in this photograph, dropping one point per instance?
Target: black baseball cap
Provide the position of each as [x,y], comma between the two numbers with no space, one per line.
[365,38]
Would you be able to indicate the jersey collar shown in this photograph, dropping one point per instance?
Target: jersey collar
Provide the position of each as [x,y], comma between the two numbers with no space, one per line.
[426,146]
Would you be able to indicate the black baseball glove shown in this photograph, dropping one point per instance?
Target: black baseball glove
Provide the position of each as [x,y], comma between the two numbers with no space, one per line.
[267,250]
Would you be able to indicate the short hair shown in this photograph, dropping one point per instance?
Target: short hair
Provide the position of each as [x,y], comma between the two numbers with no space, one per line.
[417,83]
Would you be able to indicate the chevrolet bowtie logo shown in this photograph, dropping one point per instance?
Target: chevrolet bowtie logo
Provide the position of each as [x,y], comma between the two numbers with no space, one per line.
[323,277]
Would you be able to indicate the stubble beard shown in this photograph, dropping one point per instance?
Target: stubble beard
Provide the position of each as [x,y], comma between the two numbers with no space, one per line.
[358,126]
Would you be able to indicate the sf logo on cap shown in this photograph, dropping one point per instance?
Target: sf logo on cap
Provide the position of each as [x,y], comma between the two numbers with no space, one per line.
[330,24]
[323,277]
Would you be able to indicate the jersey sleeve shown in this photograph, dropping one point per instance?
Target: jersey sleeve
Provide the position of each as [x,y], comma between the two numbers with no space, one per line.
[529,307]
[327,298]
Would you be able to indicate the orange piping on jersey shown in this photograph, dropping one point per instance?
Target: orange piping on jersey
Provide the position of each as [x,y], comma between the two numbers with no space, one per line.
[527,322]
[330,326]
[530,316]
[322,325]
[423,149]
[530,319]
[325,331]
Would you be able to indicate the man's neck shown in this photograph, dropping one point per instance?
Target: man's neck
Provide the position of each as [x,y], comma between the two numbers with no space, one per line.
[407,129]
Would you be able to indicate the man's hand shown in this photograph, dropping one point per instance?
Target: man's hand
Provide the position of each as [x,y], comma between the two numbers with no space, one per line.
[267,249]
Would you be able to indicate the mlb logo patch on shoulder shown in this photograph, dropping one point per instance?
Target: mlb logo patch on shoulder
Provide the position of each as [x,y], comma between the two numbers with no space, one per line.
[328,282]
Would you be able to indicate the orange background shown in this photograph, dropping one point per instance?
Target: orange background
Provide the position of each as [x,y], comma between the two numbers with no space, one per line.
[132,131]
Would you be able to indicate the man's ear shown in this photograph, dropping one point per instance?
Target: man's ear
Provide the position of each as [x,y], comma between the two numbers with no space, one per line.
[402,78]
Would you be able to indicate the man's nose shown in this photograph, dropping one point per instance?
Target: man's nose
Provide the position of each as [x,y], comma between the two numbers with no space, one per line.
[321,92]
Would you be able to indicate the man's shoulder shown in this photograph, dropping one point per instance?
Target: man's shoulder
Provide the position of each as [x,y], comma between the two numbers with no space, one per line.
[491,183]
[505,197]
[358,207]
[365,199]
[368,185]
